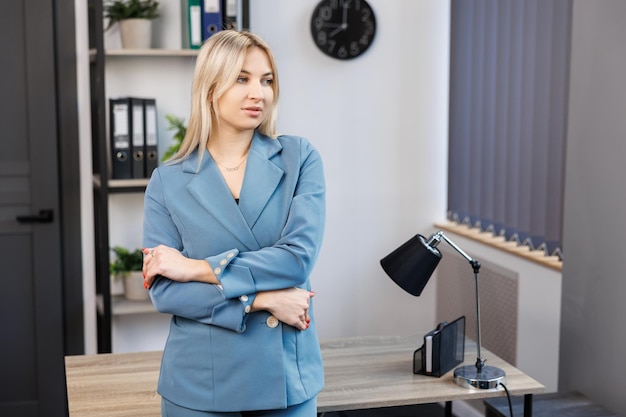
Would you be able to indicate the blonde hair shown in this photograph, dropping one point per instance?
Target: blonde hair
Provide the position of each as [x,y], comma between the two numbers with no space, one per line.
[218,65]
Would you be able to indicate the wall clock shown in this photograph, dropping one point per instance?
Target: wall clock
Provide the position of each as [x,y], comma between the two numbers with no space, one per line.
[343,29]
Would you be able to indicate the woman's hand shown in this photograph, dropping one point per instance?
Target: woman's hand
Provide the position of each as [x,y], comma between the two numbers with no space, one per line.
[291,305]
[169,262]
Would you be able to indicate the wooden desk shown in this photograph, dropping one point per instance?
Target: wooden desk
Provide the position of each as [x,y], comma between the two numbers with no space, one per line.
[364,372]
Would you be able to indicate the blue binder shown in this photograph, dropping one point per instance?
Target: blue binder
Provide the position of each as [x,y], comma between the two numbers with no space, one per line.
[211,18]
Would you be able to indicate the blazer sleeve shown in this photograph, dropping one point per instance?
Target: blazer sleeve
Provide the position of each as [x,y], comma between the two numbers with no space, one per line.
[286,263]
[290,260]
[197,301]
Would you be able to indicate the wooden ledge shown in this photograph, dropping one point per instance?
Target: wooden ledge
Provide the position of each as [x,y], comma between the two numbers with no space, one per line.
[486,238]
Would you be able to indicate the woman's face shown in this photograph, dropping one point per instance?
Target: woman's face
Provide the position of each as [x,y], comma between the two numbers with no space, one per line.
[249,100]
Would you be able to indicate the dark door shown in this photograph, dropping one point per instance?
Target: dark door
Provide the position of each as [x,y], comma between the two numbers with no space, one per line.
[31,309]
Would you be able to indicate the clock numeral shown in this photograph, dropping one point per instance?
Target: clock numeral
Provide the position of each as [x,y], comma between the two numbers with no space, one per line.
[325,13]
[364,40]
[369,29]
[322,38]
[354,48]
[319,23]
[331,45]
[342,52]
[365,15]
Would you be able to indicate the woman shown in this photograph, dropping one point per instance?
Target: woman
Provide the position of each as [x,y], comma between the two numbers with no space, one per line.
[232,229]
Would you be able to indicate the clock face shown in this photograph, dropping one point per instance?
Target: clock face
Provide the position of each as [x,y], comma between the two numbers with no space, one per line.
[343,29]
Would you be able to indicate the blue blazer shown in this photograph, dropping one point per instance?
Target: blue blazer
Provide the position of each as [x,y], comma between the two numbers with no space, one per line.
[218,356]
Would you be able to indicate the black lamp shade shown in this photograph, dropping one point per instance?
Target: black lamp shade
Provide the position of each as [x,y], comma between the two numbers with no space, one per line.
[411,265]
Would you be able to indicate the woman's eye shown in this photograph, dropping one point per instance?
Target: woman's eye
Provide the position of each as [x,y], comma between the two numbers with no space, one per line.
[268,81]
[241,80]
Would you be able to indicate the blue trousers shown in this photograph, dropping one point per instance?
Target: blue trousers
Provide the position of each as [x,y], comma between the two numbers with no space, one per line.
[306,409]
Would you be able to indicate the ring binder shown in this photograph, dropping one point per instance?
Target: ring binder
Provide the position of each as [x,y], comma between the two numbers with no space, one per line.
[211,18]
[138,138]
[151,143]
[121,164]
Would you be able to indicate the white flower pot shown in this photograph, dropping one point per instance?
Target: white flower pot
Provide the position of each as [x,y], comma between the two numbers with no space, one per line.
[133,287]
[136,33]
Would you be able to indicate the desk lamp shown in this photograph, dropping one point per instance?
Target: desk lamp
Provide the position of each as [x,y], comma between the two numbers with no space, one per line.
[410,266]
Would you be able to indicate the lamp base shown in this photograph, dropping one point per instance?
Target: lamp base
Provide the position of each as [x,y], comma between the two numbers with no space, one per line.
[469,377]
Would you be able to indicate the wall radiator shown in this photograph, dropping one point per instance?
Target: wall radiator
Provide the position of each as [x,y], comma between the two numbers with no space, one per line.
[498,291]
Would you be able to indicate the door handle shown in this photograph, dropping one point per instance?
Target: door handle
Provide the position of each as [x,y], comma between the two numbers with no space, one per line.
[44,216]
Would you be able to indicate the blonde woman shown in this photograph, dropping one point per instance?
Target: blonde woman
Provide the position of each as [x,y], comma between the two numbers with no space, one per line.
[232,228]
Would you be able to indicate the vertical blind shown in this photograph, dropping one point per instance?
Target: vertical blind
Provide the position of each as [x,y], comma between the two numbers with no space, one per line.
[509,75]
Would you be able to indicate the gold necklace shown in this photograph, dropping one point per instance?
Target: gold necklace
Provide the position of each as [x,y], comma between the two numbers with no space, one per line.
[229,169]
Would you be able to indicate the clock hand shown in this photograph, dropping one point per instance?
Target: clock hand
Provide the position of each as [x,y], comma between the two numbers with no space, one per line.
[344,21]
[336,31]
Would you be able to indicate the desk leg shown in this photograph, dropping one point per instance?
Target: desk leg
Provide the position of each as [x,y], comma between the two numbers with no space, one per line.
[448,410]
[528,405]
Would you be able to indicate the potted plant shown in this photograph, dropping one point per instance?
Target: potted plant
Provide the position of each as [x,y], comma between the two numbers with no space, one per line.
[127,265]
[177,125]
[135,20]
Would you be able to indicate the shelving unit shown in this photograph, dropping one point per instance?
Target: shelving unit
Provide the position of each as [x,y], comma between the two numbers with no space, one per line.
[133,65]
[151,52]
[121,306]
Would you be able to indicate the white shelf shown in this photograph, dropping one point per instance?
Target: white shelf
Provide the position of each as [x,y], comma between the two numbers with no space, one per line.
[154,52]
[121,306]
[128,183]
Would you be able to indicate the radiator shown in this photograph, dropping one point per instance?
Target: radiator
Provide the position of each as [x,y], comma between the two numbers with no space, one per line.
[498,291]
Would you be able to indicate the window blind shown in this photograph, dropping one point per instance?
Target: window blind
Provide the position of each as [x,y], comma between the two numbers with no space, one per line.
[509,74]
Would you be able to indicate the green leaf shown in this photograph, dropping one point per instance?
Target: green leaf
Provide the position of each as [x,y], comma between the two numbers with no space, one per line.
[176,124]
[125,261]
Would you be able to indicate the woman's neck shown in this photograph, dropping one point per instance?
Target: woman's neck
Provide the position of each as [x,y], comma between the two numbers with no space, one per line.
[230,148]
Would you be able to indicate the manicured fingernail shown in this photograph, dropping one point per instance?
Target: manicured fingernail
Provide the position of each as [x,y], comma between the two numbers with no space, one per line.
[145,285]
[308,321]
[307,325]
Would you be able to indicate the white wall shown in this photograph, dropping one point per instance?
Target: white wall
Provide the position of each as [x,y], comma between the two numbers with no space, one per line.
[87,214]
[594,288]
[380,123]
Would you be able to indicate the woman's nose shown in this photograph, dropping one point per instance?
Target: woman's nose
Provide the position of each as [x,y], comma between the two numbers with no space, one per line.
[256,91]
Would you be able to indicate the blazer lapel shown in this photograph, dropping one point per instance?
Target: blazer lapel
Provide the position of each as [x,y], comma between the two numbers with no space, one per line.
[262,177]
[208,187]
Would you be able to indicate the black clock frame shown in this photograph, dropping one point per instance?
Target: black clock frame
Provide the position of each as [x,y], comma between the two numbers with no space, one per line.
[343,29]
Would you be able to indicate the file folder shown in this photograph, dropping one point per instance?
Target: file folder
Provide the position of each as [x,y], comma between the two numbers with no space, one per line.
[211,18]
[443,349]
[229,15]
[137,138]
[152,154]
[119,116]
[191,12]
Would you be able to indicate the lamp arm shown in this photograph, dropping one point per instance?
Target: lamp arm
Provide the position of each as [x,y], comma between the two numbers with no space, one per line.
[433,241]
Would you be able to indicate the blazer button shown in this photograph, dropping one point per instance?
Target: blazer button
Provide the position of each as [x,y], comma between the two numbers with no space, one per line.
[271,322]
